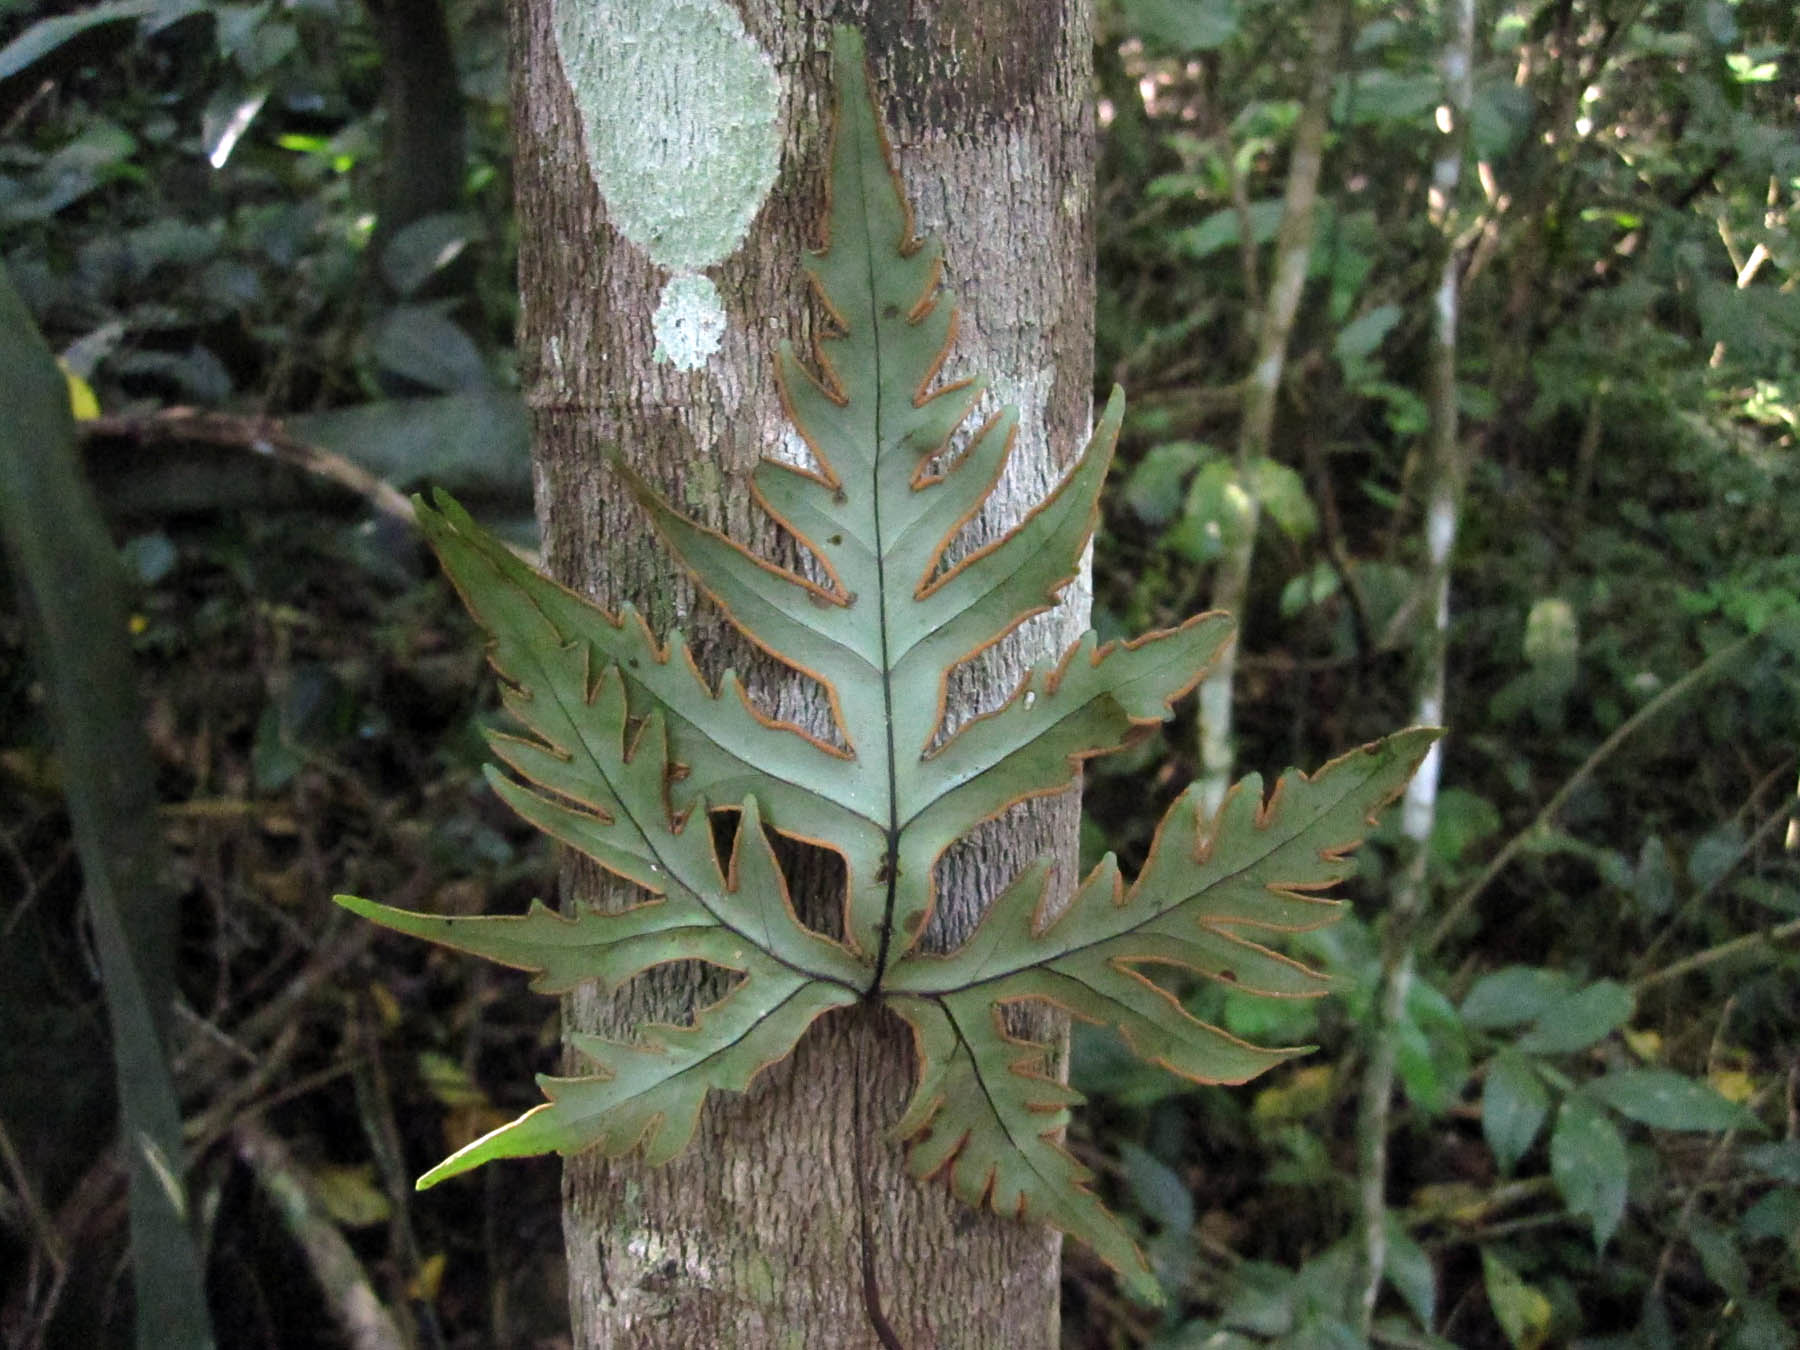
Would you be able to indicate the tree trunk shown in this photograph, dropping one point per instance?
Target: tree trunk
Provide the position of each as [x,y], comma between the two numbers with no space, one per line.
[1445,473]
[423,159]
[1293,257]
[752,1238]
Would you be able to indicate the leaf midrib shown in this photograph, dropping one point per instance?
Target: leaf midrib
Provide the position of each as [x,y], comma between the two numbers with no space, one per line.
[715,1051]
[660,858]
[1026,1149]
[890,831]
[1129,930]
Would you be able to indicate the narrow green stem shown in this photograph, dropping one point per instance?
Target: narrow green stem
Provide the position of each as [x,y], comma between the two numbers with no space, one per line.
[1712,955]
[1686,685]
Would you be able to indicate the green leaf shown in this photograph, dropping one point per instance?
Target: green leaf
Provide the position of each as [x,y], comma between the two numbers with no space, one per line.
[1256,1018]
[416,253]
[1588,1164]
[100,153]
[1514,1103]
[475,443]
[46,36]
[1780,1161]
[58,548]
[1668,1101]
[1259,1299]
[1521,1310]
[1183,25]
[1578,1020]
[1357,339]
[1761,1324]
[1776,1215]
[1433,1054]
[1215,513]
[1388,96]
[422,343]
[1500,116]
[1512,997]
[1653,880]
[1161,1195]
[149,557]
[625,752]
[1153,491]
[1282,493]
[1552,635]
[1720,1257]
[1715,854]
[1220,230]
[1309,588]
[1463,820]
[1410,1271]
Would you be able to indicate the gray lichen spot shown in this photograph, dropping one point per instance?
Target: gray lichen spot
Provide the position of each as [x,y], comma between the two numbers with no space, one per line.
[689,322]
[705,486]
[679,110]
[760,1280]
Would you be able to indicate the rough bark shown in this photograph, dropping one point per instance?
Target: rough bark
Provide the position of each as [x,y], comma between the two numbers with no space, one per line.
[752,1237]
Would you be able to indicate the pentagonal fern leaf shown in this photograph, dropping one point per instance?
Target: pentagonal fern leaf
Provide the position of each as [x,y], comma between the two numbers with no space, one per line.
[879,634]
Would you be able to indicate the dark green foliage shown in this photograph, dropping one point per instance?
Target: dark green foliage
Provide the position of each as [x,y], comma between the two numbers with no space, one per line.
[1630,416]
[1628,384]
[74,590]
[194,217]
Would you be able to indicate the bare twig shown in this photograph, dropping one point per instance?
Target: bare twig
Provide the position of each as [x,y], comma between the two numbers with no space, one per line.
[1240,202]
[1678,1231]
[89,1217]
[258,435]
[375,1104]
[367,1324]
[239,1098]
[1724,951]
[349,942]
[1770,824]
[48,1243]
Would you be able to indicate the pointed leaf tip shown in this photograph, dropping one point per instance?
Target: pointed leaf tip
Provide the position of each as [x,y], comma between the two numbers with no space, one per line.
[531,1134]
[847,42]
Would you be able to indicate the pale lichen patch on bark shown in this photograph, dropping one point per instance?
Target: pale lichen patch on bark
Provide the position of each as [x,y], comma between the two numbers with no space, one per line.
[679,112]
[689,322]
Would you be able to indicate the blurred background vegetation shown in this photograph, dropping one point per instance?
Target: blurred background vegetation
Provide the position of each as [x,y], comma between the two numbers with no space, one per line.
[1487,314]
